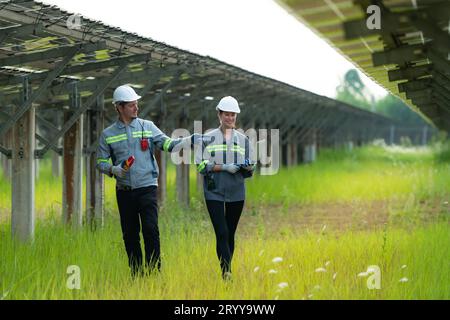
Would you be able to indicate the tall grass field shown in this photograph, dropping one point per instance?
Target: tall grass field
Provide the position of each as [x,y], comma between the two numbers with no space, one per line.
[371,223]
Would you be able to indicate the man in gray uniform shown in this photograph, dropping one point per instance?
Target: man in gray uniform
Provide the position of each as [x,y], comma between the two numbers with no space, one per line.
[136,188]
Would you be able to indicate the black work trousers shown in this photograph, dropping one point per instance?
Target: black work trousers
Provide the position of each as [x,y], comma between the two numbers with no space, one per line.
[136,207]
[225,218]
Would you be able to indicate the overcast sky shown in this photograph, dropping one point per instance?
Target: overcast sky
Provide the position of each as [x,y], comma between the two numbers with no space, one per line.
[256,35]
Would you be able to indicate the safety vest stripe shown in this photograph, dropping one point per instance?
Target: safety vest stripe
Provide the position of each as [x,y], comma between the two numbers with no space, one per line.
[117,138]
[223,147]
[217,147]
[102,160]
[167,144]
[138,134]
[202,165]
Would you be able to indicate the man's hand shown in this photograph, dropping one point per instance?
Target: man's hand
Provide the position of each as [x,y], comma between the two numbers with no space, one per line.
[231,168]
[190,141]
[118,171]
[196,138]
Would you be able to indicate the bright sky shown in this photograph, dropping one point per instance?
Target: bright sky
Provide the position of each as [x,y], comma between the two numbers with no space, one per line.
[256,35]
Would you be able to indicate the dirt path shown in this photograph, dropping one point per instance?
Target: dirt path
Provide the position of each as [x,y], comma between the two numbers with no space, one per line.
[276,220]
[355,215]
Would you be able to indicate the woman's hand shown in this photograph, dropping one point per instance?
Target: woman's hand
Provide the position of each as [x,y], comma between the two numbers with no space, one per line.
[231,168]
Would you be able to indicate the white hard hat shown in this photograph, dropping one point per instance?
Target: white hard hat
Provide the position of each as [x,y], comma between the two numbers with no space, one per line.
[125,93]
[228,104]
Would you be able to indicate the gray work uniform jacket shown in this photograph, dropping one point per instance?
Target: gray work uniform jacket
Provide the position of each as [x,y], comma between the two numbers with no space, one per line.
[118,142]
[222,185]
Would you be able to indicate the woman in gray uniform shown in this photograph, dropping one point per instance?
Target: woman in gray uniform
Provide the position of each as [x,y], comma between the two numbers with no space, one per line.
[225,163]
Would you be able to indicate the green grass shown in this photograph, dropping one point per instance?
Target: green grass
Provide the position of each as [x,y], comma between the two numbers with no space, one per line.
[368,174]
[190,271]
[406,181]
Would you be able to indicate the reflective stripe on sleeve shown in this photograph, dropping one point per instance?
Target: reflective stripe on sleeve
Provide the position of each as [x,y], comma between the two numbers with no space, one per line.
[167,144]
[202,165]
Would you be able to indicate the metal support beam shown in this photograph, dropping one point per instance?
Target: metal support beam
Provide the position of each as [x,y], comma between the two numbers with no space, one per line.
[95,186]
[72,165]
[161,157]
[23,59]
[28,103]
[409,73]
[91,100]
[414,85]
[20,29]
[149,106]
[52,145]
[419,93]
[23,171]
[182,176]
[399,55]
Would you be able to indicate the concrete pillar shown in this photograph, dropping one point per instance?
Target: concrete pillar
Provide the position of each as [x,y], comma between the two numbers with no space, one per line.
[199,183]
[56,158]
[6,163]
[23,175]
[310,147]
[349,146]
[283,155]
[392,135]
[37,160]
[36,168]
[182,183]
[182,173]
[95,184]
[309,153]
[291,154]
[425,135]
[161,158]
[72,166]
[56,164]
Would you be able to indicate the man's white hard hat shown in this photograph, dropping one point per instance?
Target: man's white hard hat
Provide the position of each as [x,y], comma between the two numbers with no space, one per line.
[228,104]
[125,93]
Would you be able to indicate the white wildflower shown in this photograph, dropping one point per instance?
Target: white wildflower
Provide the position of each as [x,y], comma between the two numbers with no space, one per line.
[256,269]
[404,266]
[5,294]
[321,270]
[277,259]
[327,263]
[403,279]
[334,276]
[273,271]
[283,285]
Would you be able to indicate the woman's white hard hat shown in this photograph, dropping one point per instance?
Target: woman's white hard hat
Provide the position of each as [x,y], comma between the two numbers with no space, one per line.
[228,104]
